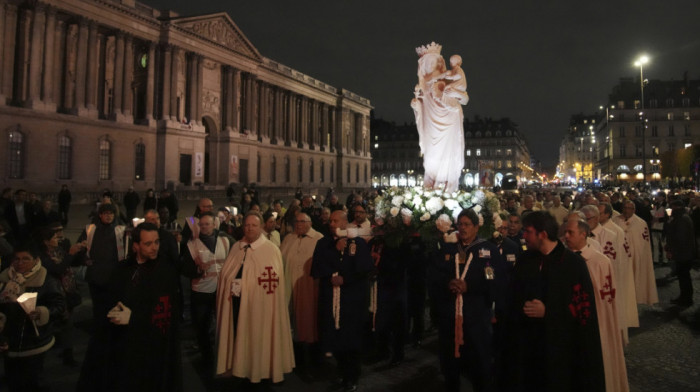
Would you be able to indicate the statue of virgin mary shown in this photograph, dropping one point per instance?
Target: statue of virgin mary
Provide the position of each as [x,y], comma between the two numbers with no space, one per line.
[439,96]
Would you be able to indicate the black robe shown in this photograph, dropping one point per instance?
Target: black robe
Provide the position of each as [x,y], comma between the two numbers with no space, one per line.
[560,352]
[354,267]
[145,354]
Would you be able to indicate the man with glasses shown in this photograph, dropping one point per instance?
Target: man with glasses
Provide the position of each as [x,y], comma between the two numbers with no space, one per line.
[301,288]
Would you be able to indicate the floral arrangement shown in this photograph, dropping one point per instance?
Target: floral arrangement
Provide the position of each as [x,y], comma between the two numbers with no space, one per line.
[430,213]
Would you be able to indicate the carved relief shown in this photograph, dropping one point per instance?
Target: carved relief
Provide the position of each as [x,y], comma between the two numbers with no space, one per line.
[210,103]
[220,32]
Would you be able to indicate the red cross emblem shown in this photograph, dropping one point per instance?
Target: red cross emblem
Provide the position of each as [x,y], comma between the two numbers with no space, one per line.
[609,250]
[645,234]
[580,305]
[161,314]
[608,290]
[627,248]
[269,280]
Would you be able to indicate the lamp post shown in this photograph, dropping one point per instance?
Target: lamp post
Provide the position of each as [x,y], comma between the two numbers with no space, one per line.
[643,59]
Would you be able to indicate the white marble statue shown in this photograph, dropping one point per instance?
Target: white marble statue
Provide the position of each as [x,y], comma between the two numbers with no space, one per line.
[439,96]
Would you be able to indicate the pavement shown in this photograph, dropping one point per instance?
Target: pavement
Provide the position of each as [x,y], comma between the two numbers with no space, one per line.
[663,353]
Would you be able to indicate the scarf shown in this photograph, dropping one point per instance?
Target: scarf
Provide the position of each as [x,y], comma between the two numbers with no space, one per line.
[15,286]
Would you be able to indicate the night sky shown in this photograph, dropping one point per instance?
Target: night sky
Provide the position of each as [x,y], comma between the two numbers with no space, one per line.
[537,62]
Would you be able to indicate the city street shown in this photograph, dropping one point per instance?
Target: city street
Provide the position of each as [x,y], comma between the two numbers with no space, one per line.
[663,354]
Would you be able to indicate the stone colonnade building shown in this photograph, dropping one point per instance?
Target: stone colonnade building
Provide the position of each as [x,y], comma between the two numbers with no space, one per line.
[109,93]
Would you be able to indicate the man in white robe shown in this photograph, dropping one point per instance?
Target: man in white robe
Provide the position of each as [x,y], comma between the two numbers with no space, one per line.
[637,235]
[603,278]
[300,287]
[627,299]
[610,247]
[254,339]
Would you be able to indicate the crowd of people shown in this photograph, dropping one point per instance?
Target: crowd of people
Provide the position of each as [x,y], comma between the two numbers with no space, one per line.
[545,303]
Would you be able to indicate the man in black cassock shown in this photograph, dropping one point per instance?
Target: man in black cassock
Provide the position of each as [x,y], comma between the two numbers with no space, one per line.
[553,341]
[479,288]
[140,350]
[343,263]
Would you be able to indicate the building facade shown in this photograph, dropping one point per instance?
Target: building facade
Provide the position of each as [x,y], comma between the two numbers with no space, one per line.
[109,93]
[670,122]
[493,149]
[577,151]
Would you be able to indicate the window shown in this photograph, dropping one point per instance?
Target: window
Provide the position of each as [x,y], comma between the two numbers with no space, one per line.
[469,152]
[654,131]
[300,174]
[670,130]
[622,132]
[686,116]
[287,170]
[686,130]
[258,168]
[273,169]
[478,152]
[65,154]
[669,116]
[357,173]
[311,170]
[332,173]
[669,102]
[509,152]
[347,173]
[623,151]
[16,154]
[638,150]
[323,170]
[671,146]
[140,162]
[509,164]
[105,160]
[638,131]
[366,174]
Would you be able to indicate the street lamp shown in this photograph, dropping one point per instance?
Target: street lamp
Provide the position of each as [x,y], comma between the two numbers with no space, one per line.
[643,59]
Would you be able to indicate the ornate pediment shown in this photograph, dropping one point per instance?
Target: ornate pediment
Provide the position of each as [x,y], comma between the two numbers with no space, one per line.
[220,29]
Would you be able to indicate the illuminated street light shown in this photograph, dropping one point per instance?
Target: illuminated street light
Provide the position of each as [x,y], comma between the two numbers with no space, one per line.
[643,59]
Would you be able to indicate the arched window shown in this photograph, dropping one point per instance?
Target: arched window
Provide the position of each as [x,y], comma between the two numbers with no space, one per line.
[140,162]
[311,170]
[105,159]
[347,173]
[323,170]
[287,169]
[300,174]
[16,154]
[273,169]
[357,173]
[258,176]
[65,157]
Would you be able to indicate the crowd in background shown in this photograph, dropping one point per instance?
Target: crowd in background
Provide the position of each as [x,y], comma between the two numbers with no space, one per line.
[399,284]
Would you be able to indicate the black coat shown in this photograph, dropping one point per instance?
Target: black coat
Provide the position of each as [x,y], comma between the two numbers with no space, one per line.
[354,267]
[560,352]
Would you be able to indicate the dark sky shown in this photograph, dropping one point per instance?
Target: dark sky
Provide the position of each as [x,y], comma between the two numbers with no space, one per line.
[537,62]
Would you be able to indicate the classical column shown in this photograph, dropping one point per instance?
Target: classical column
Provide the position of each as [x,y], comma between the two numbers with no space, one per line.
[58,60]
[23,56]
[128,78]
[254,87]
[3,22]
[9,27]
[118,94]
[175,64]
[236,101]
[81,67]
[49,56]
[290,107]
[226,96]
[191,94]
[151,82]
[36,51]
[165,97]
[199,89]
[92,56]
